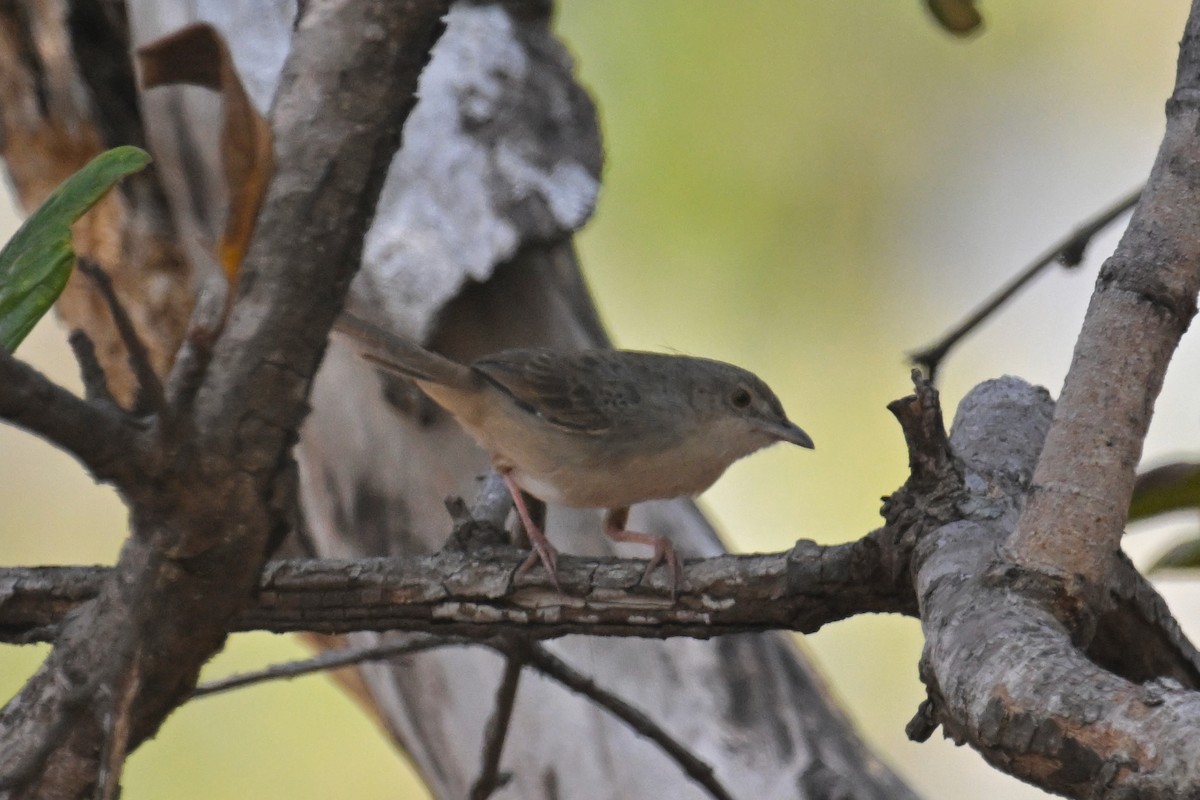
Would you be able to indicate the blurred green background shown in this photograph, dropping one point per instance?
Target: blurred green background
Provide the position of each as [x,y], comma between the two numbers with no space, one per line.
[807,189]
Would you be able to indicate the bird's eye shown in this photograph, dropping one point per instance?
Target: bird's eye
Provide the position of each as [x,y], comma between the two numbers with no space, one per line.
[741,398]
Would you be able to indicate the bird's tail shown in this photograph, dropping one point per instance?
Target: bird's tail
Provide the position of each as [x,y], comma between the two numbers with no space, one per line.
[397,354]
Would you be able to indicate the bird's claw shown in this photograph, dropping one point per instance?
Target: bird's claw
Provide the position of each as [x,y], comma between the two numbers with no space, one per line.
[541,551]
[664,551]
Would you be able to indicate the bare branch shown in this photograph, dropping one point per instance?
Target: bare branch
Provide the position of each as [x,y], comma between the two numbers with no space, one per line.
[323,662]
[1145,297]
[951,517]
[1105,720]
[552,667]
[100,436]
[149,396]
[116,743]
[95,383]
[920,416]
[478,597]
[490,778]
[200,538]
[1068,251]
[192,360]
[1058,720]
[518,653]
[307,245]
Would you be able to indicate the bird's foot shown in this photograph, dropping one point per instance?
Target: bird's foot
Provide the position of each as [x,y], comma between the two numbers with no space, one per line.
[664,552]
[540,547]
[540,551]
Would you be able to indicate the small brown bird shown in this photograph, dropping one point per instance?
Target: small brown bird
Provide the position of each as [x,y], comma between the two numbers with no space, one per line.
[595,428]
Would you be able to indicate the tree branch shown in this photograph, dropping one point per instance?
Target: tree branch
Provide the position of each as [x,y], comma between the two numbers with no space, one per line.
[95,382]
[203,529]
[453,594]
[116,741]
[1057,720]
[490,779]
[552,667]
[1145,296]
[323,662]
[1088,721]
[1068,251]
[148,395]
[99,435]
[945,529]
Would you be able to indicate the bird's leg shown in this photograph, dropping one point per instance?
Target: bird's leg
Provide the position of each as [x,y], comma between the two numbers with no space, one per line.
[614,527]
[541,549]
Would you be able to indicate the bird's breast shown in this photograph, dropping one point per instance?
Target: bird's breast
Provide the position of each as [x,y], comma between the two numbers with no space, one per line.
[600,474]
[624,465]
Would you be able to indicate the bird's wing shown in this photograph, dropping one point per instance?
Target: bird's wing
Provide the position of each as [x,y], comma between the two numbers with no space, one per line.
[578,392]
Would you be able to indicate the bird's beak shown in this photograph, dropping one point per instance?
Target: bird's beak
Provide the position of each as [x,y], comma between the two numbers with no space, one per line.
[788,431]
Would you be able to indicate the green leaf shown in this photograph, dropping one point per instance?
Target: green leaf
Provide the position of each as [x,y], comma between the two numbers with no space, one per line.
[1172,487]
[36,262]
[1185,555]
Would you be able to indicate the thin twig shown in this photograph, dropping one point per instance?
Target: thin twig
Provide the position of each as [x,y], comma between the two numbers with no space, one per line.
[490,779]
[95,382]
[553,667]
[191,362]
[100,436]
[518,654]
[1069,252]
[150,394]
[327,660]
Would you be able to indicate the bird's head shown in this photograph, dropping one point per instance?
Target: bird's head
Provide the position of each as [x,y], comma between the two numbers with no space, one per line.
[742,406]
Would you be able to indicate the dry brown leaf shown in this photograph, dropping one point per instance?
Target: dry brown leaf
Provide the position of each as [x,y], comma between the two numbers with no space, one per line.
[197,55]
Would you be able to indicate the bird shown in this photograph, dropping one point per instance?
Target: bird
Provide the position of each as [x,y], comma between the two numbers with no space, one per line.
[594,428]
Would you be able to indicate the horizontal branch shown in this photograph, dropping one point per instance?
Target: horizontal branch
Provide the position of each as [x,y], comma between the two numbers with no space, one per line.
[942,543]
[477,595]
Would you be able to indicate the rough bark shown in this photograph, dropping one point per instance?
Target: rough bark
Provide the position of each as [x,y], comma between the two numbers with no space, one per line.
[1060,720]
[1104,734]
[1105,720]
[473,223]
[1144,300]
[1045,650]
[476,594]
[209,501]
